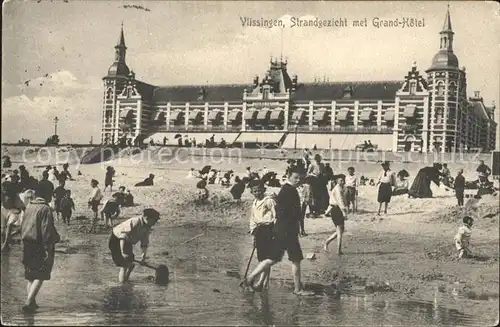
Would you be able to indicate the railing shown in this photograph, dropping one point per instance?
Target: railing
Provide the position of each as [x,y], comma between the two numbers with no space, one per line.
[196,128]
[300,128]
[232,128]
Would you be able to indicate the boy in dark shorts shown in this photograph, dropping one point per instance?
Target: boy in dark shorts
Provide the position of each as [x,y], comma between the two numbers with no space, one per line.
[351,189]
[110,210]
[125,235]
[262,217]
[39,236]
[58,195]
[286,234]
[67,207]
[338,213]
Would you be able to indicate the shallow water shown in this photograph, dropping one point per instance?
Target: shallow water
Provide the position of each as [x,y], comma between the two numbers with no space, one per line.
[199,293]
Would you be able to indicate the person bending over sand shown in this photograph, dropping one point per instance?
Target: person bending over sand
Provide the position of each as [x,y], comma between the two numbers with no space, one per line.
[125,235]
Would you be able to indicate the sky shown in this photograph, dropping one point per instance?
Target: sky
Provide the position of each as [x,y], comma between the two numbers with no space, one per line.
[65,48]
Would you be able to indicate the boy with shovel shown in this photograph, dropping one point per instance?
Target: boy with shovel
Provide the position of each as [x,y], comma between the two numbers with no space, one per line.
[125,235]
[285,234]
[262,218]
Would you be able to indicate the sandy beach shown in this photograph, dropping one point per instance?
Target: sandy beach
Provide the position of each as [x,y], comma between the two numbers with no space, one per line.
[407,254]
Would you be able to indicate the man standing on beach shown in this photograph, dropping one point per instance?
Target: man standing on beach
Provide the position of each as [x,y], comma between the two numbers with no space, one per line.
[286,234]
[39,236]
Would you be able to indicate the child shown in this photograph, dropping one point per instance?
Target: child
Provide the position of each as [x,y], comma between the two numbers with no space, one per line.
[192,174]
[110,209]
[463,237]
[95,197]
[201,192]
[108,180]
[401,185]
[125,235]
[58,195]
[459,187]
[67,206]
[237,189]
[351,185]
[262,218]
[129,199]
[338,210]
[307,202]
[285,235]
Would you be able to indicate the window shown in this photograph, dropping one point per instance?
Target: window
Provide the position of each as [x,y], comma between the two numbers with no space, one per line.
[452,89]
[109,93]
[265,93]
[439,115]
[440,89]
[413,87]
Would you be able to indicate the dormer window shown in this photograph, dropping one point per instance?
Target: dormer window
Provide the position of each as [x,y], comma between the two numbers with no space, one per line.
[265,93]
[413,87]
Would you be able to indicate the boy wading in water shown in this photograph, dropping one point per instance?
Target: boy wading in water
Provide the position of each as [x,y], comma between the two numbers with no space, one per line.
[286,234]
[125,235]
[338,212]
[262,218]
[39,236]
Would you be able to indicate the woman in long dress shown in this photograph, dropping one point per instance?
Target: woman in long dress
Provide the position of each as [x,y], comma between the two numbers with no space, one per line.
[421,187]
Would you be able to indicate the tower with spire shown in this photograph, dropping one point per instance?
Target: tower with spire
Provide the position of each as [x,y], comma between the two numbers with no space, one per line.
[448,130]
[114,83]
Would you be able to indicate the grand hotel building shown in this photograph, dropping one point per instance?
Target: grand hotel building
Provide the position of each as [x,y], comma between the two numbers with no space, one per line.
[419,113]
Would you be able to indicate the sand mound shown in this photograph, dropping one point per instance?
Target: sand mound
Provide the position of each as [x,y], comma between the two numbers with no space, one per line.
[485,210]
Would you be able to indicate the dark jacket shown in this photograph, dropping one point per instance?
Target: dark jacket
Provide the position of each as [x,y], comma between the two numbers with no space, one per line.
[38,224]
[288,211]
[459,183]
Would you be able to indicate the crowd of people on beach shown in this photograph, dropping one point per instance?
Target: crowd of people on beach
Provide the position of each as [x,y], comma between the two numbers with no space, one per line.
[308,188]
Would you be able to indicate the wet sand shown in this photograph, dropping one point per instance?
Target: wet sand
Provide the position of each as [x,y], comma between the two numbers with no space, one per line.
[407,255]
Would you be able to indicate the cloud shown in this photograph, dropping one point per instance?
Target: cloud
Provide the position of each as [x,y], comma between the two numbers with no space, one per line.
[30,113]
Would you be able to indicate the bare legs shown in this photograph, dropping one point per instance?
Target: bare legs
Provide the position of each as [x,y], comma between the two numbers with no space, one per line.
[336,235]
[386,204]
[7,236]
[32,290]
[263,281]
[125,272]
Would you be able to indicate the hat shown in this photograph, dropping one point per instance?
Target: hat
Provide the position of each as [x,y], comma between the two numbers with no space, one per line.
[151,213]
[385,163]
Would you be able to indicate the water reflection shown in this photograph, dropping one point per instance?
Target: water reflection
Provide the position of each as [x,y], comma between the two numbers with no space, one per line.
[82,292]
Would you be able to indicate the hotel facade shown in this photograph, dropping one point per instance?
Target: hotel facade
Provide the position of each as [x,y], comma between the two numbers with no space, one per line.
[418,113]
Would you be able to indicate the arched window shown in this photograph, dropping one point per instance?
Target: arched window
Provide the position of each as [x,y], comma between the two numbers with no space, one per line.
[413,87]
[109,94]
[452,89]
[440,89]
[439,115]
